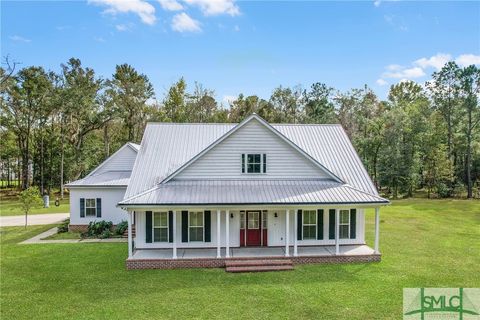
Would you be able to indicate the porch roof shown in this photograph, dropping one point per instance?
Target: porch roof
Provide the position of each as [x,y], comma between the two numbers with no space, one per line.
[105,179]
[245,192]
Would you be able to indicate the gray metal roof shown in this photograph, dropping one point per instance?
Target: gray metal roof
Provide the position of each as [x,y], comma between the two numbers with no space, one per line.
[109,178]
[166,147]
[243,192]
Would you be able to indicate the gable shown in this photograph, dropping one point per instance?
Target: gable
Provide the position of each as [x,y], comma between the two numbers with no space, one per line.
[122,160]
[223,161]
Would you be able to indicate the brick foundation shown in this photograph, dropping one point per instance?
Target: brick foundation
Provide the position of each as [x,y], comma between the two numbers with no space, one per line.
[78,227]
[135,264]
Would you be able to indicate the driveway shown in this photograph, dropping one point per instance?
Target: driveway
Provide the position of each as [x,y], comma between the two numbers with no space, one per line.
[34,219]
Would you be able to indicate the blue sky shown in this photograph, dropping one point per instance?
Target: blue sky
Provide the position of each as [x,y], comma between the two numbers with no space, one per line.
[247,47]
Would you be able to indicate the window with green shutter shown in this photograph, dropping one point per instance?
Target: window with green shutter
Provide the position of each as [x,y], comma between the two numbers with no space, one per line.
[160,227]
[309,224]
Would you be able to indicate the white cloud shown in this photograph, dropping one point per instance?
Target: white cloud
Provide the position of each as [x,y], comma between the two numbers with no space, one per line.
[381,82]
[170,5]
[236,28]
[466,60]
[183,23]
[216,7]
[122,27]
[376,3]
[99,39]
[18,38]
[408,73]
[142,8]
[437,61]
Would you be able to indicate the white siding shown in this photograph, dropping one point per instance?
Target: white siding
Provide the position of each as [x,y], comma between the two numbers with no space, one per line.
[224,160]
[123,160]
[276,231]
[110,197]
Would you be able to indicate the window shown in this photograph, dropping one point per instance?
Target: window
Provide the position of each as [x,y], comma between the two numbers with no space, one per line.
[344,224]
[160,227]
[195,226]
[242,219]
[309,225]
[90,207]
[254,163]
[253,220]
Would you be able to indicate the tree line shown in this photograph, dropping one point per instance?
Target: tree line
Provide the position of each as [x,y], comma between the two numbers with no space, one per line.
[57,126]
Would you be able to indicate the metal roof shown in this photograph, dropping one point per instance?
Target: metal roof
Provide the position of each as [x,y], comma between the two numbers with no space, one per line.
[106,179]
[166,147]
[243,192]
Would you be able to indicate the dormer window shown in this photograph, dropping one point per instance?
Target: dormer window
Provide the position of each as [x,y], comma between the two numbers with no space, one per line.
[254,163]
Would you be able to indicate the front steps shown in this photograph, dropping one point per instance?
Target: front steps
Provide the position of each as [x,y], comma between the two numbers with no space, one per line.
[260,265]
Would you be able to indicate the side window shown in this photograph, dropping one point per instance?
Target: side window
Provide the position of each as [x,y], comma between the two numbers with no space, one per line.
[344,224]
[160,227]
[254,163]
[90,207]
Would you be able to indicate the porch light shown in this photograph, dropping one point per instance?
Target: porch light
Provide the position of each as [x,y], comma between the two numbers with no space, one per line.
[231,215]
[276,215]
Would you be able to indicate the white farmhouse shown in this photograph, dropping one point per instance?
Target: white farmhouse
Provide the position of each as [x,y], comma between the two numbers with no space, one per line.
[248,196]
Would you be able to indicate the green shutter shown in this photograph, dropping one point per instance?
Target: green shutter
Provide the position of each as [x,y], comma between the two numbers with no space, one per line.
[353,223]
[331,224]
[264,163]
[82,207]
[243,162]
[99,207]
[170,226]
[319,224]
[207,223]
[299,225]
[184,226]
[148,227]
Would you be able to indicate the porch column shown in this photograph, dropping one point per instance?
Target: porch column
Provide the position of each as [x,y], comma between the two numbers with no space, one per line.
[174,226]
[377,229]
[218,235]
[227,233]
[130,246]
[287,231]
[337,231]
[295,232]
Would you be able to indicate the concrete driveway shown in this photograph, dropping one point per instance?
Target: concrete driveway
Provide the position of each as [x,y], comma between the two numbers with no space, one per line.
[34,219]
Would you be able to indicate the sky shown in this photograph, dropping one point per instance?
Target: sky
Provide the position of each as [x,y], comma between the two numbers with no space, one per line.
[247,47]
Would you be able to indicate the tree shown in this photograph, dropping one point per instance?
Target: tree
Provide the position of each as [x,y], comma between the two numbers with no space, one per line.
[469,88]
[129,92]
[29,199]
[319,107]
[175,104]
[287,104]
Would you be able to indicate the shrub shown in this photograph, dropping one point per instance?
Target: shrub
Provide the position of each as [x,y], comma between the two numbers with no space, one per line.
[64,226]
[121,227]
[105,234]
[97,228]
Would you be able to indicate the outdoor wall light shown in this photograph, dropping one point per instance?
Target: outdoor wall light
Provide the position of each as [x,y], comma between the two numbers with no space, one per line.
[231,215]
[276,215]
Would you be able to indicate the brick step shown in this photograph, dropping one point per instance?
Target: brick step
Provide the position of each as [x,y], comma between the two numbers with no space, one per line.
[259,268]
[125,233]
[259,262]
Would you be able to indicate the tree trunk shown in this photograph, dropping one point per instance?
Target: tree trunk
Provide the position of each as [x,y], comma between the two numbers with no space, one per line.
[469,156]
[26,215]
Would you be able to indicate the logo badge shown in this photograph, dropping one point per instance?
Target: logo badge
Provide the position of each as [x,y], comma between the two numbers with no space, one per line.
[441,303]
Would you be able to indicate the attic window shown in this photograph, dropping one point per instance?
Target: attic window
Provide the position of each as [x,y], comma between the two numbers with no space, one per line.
[254,163]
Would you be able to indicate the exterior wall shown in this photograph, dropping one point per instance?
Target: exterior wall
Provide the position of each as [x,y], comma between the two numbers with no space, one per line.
[283,161]
[276,231]
[110,198]
[122,160]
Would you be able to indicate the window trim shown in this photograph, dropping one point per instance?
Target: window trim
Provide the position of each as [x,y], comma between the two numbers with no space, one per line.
[160,227]
[87,207]
[344,224]
[258,219]
[203,226]
[262,163]
[310,224]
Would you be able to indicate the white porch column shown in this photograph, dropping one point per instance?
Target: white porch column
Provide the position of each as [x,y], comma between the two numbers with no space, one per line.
[218,235]
[174,226]
[337,231]
[287,232]
[130,246]
[295,232]
[377,229]
[227,233]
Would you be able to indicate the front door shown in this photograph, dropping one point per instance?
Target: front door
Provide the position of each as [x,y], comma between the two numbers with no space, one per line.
[254,228]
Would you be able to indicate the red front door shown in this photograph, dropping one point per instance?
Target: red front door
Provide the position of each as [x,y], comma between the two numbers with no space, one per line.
[254,228]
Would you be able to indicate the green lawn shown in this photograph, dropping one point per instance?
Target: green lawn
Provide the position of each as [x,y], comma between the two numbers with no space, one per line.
[10,206]
[424,244]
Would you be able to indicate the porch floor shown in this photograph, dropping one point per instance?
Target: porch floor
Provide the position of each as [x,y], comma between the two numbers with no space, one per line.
[250,252]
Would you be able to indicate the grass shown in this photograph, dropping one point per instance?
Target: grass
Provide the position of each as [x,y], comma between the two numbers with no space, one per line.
[11,206]
[424,244]
[64,235]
